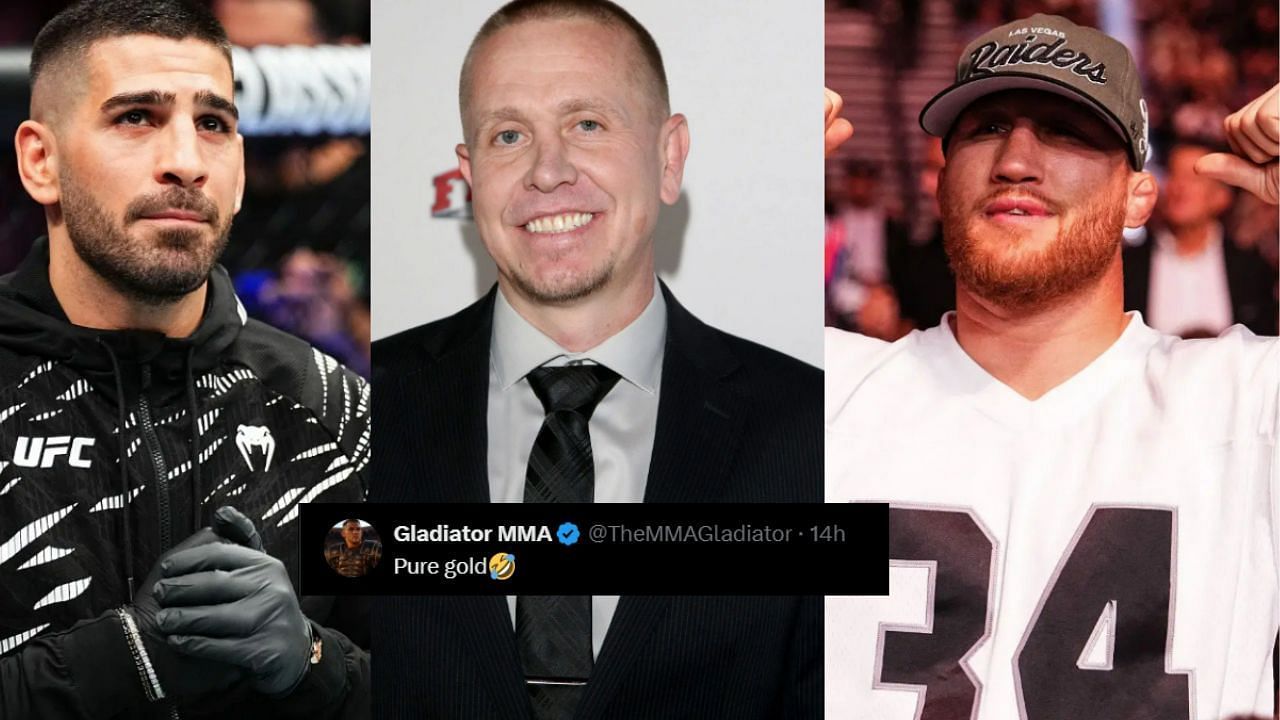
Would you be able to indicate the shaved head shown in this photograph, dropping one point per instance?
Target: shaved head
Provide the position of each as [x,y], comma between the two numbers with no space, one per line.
[647,59]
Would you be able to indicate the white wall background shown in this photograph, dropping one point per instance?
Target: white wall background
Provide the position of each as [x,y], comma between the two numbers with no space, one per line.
[742,249]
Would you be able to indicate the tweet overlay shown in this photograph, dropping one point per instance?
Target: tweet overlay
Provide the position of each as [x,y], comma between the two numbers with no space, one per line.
[596,549]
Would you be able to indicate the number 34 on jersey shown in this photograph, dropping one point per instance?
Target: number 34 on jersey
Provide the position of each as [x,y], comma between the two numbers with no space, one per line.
[1093,640]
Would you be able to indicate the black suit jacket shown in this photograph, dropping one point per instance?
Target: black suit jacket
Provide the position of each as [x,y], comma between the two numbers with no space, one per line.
[1250,281]
[737,422]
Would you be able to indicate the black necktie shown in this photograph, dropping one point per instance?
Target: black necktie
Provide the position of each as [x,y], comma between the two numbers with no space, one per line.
[553,632]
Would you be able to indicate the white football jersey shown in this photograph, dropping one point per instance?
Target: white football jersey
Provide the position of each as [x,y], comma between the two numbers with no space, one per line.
[1109,550]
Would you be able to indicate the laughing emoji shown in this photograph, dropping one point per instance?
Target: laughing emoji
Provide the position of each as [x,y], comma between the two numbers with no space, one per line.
[502,566]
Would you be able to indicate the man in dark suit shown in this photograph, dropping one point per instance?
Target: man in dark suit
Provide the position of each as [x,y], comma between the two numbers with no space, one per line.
[1190,278]
[579,378]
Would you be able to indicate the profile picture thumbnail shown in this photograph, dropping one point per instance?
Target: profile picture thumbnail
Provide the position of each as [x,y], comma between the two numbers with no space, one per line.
[352,548]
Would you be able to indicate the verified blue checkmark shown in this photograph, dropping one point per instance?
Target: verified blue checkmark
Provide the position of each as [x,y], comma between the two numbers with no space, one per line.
[568,534]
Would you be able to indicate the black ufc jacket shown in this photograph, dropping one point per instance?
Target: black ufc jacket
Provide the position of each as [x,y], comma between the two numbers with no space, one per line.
[116,445]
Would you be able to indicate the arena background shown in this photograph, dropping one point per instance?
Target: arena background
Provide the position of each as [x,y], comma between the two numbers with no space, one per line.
[885,269]
[735,249]
[299,248]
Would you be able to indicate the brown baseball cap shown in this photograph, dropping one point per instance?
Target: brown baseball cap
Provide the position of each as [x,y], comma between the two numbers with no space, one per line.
[1053,54]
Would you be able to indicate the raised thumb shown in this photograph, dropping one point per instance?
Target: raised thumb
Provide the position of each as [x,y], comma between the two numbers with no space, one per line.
[1235,170]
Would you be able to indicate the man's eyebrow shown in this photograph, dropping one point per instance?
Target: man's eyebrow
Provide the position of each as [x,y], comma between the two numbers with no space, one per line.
[217,102]
[148,97]
[155,97]
[500,114]
[574,105]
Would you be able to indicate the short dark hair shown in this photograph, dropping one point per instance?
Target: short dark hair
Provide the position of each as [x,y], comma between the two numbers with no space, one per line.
[349,521]
[79,26]
[601,11]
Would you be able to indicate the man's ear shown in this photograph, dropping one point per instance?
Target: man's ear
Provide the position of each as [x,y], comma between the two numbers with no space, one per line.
[37,161]
[674,139]
[1141,199]
[464,161]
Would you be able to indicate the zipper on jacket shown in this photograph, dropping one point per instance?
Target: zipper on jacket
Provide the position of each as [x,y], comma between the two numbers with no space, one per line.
[152,442]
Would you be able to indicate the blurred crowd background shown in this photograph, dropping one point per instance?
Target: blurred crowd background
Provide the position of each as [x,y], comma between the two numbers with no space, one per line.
[299,248]
[1207,259]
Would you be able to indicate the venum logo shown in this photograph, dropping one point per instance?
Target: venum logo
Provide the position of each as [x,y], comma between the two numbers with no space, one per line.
[42,452]
[255,437]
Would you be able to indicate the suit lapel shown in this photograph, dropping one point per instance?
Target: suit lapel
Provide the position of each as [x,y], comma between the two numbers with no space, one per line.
[485,622]
[442,457]
[460,388]
[699,415]
[627,641]
[455,394]
[699,422]
[461,446]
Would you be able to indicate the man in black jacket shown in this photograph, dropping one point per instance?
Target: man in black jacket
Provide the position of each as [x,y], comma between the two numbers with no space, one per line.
[137,399]
[581,379]
[1189,277]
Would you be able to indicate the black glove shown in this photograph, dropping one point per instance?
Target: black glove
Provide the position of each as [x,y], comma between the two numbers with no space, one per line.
[180,675]
[235,604]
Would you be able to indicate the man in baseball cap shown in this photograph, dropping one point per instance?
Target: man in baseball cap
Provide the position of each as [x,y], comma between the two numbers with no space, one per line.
[1054,55]
[1084,512]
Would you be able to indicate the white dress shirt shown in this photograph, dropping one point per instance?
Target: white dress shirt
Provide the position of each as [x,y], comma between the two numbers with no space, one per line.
[622,427]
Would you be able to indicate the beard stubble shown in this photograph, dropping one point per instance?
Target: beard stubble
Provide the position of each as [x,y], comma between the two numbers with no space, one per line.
[987,260]
[156,268]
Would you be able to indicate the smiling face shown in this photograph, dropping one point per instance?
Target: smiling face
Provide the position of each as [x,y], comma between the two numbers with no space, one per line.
[1034,197]
[568,156]
[150,167]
